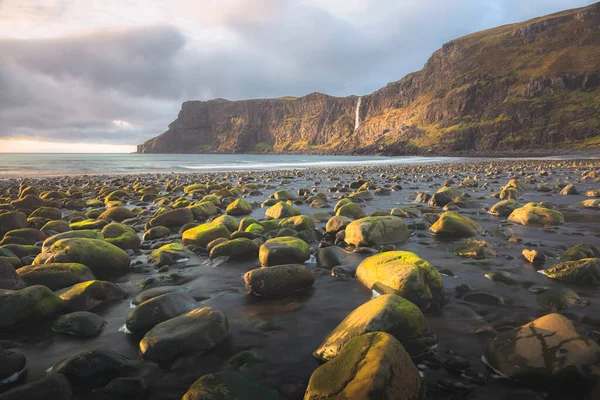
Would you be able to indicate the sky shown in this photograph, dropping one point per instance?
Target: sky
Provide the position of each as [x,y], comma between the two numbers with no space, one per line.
[105,75]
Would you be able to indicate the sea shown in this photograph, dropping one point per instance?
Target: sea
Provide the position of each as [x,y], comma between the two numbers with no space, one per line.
[19,165]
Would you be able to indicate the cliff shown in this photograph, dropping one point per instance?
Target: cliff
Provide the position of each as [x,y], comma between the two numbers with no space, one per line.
[531,85]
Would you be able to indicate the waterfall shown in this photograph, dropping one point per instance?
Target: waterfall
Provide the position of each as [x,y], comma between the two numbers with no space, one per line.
[357,119]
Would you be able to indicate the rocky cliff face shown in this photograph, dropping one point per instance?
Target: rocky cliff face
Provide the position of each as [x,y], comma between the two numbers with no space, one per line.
[531,85]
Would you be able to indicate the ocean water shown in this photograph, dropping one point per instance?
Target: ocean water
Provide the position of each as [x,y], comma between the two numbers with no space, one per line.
[13,165]
[16,165]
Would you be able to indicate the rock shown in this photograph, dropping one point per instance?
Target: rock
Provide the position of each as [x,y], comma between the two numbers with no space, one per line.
[117,214]
[585,271]
[172,219]
[168,254]
[88,224]
[284,195]
[535,214]
[534,256]
[95,368]
[548,350]
[86,296]
[298,223]
[330,257]
[159,309]
[28,306]
[11,220]
[12,365]
[440,199]
[157,232]
[154,292]
[283,250]
[197,331]
[236,249]
[55,226]
[51,213]
[372,231]
[121,236]
[79,323]
[228,385]
[133,388]
[278,281]
[557,299]
[9,279]
[351,210]
[29,202]
[477,249]
[52,387]
[487,299]
[580,251]
[204,209]
[371,366]
[455,225]
[336,224]
[203,234]
[570,189]
[86,234]
[24,236]
[239,207]
[387,313]
[405,274]
[281,210]
[504,208]
[56,275]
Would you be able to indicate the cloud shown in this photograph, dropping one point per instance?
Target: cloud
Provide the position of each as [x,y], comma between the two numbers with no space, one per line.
[121,69]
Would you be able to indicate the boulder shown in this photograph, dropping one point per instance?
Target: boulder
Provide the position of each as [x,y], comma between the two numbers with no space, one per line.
[88,224]
[28,306]
[373,366]
[584,272]
[55,275]
[9,279]
[59,226]
[546,351]
[405,274]
[117,214]
[336,224]
[159,309]
[236,249]
[52,387]
[158,232]
[24,236]
[504,208]
[86,296]
[80,323]
[204,209]
[51,213]
[122,236]
[370,231]
[154,292]
[239,207]
[172,219]
[278,281]
[197,331]
[86,234]
[331,256]
[284,195]
[351,210]
[283,250]
[580,251]
[298,223]
[535,214]
[228,385]
[104,259]
[451,224]
[10,220]
[203,234]
[168,254]
[230,222]
[387,313]
[477,249]
[281,210]
[13,364]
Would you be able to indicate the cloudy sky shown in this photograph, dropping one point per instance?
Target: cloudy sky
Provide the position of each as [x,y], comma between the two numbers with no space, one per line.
[104,75]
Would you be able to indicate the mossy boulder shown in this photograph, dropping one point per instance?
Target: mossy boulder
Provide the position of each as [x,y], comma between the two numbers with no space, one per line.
[55,275]
[451,224]
[247,221]
[557,299]
[117,214]
[104,259]
[228,385]
[159,309]
[168,254]
[11,220]
[331,256]
[284,195]
[203,234]
[580,251]
[172,219]
[230,222]
[204,209]
[477,249]
[116,195]
[584,272]
[122,236]
[504,208]
[28,306]
[405,274]
[361,195]
[351,210]
[51,213]
[298,223]
[281,210]
[79,323]
[546,351]
[370,231]
[255,228]
[197,331]
[336,224]
[29,202]
[86,234]
[236,249]
[371,366]
[58,226]
[239,207]
[88,224]
[9,280]
[158,232]
[387,313]
[591,203]
[536,214]
[88,295]
[283,250]
[24,236]
[278,281]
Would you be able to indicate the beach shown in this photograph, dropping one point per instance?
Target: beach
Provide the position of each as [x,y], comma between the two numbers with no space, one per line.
[483,280]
